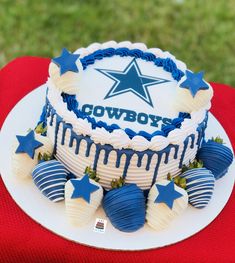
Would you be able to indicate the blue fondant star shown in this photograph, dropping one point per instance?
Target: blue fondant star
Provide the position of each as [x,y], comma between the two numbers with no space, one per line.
[28,144]
[83,188]
[194,82]
[66,61]
[167,194]
[131,80]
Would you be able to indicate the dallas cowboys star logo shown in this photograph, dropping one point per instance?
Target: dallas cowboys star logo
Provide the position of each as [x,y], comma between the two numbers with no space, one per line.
[131,80]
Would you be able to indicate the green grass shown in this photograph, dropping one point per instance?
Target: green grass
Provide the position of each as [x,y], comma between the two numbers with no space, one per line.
[201,33]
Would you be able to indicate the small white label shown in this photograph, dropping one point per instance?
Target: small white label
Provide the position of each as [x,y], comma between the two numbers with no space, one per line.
[100,225]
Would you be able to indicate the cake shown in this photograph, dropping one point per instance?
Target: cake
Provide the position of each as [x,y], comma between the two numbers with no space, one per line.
[124,114]
[140,133]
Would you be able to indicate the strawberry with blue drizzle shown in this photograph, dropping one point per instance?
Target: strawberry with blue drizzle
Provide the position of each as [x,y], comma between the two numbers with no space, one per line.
[125,206]
[216,156]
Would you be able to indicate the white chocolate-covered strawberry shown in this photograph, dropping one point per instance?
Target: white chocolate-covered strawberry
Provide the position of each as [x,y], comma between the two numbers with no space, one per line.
[25,151]
[82,198]
[165,202]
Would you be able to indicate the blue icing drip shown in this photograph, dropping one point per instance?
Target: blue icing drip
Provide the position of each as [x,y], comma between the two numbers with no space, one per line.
[127,163]
[66,126]
[58,122]
[199,186]
[149,162]
[216,157]
[125,208]
[186,141]
[106,157]
[50,177]
[97,154]
[89,144]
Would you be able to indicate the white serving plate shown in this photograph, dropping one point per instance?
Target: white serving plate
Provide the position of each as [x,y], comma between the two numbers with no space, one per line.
[52,215]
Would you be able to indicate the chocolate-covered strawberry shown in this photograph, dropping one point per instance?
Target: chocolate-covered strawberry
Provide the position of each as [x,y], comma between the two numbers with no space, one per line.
[165,202]
[216,156]
[82,197]
[199,183]
[50,177]
[125,206]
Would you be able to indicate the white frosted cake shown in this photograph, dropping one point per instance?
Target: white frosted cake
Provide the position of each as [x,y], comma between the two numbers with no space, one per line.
[123,126]
[124,113]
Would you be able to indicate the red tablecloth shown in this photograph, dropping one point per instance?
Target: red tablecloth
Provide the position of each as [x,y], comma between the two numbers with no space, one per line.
[23,240]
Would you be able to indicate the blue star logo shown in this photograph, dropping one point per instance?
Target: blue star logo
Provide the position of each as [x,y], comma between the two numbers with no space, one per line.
[28,144]
[83,188]
[167,194]
[131,80]
[66,61]
[194,82]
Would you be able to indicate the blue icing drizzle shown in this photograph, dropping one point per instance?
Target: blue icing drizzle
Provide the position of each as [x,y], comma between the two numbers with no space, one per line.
[199,186]
[50,177]
[186,142]
[216,157]
[125,208]
[75,138]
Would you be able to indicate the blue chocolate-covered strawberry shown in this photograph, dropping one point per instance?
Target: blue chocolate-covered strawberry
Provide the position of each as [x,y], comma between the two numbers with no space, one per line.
[199,183]
[50,177]
[216,156]
[125,206]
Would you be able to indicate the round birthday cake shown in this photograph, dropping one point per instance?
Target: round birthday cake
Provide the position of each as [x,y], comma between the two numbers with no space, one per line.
[123,126]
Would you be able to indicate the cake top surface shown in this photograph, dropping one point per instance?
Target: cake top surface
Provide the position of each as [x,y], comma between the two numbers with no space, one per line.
[128,85]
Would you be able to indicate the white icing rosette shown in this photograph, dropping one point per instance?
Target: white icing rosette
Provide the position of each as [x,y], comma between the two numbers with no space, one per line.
[140,46]
[119,139]
[78,210]
[176,136]
[100,135]
[158,143]
[82,126]
[139,143]
[185,102]
[93,47]
[159,215]
[109,44]
[22,164]
[126,44]
[67,82]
